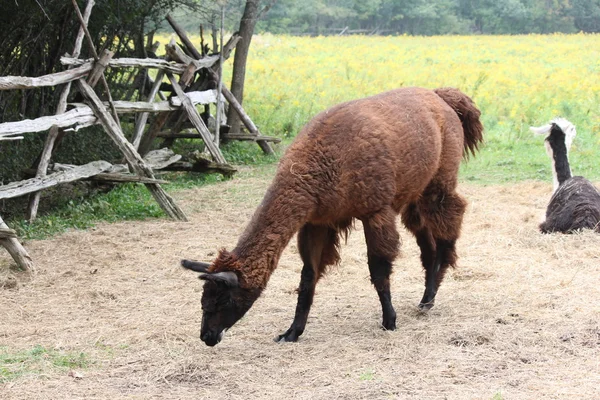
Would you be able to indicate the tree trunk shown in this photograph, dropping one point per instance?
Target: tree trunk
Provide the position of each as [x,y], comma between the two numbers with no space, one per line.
[247,24]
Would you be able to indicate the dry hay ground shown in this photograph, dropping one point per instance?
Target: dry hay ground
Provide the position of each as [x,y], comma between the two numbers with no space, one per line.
[518,320]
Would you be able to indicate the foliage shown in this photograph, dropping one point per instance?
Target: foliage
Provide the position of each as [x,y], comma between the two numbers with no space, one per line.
[586,14]
[38,360]
[432,17]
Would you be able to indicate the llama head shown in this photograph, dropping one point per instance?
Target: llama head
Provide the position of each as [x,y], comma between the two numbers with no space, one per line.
[224,302]
[558,130]
[559,137]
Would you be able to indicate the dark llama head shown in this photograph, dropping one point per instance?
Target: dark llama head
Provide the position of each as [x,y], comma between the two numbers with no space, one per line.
[224,302]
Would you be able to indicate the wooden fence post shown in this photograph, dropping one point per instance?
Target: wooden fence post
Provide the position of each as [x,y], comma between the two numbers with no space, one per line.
[16,250]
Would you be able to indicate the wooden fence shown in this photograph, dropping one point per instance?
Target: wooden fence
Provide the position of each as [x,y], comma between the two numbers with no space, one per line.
[186,92]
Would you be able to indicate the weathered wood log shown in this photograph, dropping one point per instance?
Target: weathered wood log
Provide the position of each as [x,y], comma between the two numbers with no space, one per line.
[73,118]
[184,39]
[116,177]
[230,45]
[23,82]
[179,135]
[197,121]
[161,158]
[34,200]
[132,156]
[153,63]
[157,124]
[20,188]
[141,122]
[83,25]
[249,137]
[82,116]
[202,166]
[55,132]
[16,250]
[6,233]
[124,178]
[204,97]
[99,67]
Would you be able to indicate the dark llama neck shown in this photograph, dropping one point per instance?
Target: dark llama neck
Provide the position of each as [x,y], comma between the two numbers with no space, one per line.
[562,169]
[279,216]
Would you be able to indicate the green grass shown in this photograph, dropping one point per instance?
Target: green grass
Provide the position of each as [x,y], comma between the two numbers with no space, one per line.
[130,201]
[37,361]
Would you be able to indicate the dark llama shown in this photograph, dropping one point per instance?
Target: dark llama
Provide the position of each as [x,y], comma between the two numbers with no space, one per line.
[369,159]
[575,203]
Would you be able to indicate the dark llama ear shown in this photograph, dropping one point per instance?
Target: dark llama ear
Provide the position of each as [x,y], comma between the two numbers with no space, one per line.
[195,265]
[229,278]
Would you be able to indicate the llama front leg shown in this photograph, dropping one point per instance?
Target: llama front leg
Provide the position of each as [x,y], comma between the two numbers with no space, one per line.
[306,293]
[383,242]
[318,249]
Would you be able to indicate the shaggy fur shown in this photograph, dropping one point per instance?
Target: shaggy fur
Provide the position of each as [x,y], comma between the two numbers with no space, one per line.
[370,159]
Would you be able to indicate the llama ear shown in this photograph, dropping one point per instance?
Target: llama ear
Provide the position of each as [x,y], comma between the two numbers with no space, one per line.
[195,265]
[541,130]
[229,278]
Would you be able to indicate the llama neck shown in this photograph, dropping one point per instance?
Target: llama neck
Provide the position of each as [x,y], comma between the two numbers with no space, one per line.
[561,170]
[277,219]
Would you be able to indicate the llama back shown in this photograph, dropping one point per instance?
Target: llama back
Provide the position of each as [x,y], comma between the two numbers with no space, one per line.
[574,206]
[468,114]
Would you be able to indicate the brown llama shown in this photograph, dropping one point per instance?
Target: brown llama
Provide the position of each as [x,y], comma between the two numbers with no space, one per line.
[369,159]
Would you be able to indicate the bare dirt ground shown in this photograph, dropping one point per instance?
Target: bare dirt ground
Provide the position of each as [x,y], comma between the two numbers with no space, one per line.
[519,319]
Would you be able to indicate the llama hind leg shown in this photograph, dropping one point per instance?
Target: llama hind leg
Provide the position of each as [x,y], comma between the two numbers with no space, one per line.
[436,255]
[318,249]
[435,221]
[383,242]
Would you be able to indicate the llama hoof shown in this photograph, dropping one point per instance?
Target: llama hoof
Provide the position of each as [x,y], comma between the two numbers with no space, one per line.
[389,326]
[426,306]
[289,336]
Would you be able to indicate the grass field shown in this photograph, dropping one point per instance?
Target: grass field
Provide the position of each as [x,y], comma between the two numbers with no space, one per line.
[516,81]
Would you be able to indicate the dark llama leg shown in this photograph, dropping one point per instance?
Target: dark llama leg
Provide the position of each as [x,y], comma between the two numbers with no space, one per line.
[383,242]
[435,222]
[318,249]
[431,260]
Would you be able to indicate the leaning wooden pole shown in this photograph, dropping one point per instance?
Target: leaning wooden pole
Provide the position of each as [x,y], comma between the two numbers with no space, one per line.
[34,202]
[131,155]
[265,146]
[83,24]
[141,122]
[220,82]
[15,249]
[195,119]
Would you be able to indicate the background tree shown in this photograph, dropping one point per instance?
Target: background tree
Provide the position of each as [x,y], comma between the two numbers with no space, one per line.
[586,15]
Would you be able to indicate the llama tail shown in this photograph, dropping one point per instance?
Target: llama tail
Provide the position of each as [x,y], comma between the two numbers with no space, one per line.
[469,116]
